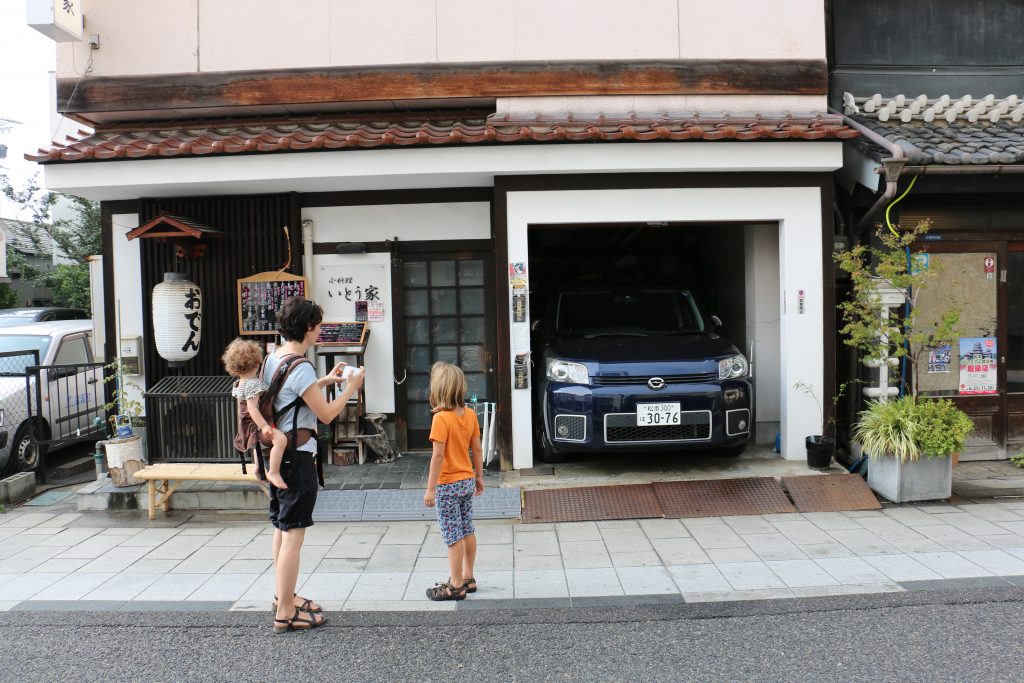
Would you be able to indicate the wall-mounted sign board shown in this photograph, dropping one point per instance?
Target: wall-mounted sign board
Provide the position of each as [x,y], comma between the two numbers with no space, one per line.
[342,334]
[260,297]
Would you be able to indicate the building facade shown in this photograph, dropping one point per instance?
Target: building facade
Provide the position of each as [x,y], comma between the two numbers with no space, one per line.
[424,158]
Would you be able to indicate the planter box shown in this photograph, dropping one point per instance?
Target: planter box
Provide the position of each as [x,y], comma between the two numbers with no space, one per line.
[124,459]
[906,482]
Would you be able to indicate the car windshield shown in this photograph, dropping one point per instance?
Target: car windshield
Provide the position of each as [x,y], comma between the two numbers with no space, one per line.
[627,312]
[16,352]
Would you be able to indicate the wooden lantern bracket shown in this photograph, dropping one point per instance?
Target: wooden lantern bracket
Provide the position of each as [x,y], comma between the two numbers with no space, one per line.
[189,237]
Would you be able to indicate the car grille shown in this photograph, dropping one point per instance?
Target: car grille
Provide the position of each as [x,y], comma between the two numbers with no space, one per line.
[576,424]
[694,425]
[612,381]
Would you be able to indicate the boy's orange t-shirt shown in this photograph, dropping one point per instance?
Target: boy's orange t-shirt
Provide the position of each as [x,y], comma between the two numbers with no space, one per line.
[456,433]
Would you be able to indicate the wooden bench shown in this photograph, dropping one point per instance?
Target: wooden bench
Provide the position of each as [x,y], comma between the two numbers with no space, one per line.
[165,478]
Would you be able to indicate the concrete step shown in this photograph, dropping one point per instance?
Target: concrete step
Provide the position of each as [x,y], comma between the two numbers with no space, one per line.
[74,467]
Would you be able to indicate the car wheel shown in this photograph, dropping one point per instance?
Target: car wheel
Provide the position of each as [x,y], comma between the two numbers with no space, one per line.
[547,451]
[24,455]
[731,451]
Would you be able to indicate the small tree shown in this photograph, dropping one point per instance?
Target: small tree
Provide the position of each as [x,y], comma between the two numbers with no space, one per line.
[890,264]
[76,238]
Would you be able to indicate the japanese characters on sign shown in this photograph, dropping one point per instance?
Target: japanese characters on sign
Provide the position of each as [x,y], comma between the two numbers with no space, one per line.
[261,296]
[978,365]
[354,291]
[194,314]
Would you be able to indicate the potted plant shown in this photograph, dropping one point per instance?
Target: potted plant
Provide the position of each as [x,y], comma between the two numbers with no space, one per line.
[911,442]
[820,447]
[126,450]
[910,439]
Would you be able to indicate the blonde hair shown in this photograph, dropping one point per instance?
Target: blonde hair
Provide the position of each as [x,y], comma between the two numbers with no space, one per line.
[448,387]
[242,357]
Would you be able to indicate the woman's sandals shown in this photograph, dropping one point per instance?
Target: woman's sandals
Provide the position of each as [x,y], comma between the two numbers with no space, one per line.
[306,606]
[298,623]
[446,591]
[470,585]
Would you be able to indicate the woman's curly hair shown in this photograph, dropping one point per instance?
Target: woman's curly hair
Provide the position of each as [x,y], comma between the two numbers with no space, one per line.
[297,317]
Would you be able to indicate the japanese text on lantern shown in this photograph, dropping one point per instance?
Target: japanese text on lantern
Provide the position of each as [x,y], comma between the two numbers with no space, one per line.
[194,304]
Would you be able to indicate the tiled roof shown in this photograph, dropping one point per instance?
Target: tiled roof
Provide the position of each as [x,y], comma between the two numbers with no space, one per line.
[19,235]
[945,130]
[212,139]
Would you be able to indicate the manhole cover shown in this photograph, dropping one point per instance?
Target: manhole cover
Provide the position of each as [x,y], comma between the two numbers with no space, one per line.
[722,497]
[830,493]
[590,503]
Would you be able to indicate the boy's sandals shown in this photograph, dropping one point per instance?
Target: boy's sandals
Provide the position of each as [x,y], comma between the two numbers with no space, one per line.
[297,623]
[306,606]
[446,591]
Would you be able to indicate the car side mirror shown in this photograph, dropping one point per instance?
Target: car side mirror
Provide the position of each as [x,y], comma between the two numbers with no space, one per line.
[716,321]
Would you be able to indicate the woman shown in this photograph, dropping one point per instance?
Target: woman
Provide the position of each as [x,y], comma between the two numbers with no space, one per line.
[301,400]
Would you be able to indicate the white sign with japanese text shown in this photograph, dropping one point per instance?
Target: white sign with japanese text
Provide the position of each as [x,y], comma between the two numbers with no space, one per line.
[60,20]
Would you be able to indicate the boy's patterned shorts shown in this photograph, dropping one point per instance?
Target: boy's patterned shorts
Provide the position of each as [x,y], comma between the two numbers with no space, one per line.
[454,504]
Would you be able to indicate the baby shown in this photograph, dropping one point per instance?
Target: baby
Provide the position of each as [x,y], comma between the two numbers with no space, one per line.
[243,360]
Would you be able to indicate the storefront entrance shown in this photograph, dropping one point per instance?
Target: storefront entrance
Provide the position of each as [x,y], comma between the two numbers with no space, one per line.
[447,316]
[982,371]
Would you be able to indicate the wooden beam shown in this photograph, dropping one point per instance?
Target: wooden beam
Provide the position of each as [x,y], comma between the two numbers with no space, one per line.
[193,91]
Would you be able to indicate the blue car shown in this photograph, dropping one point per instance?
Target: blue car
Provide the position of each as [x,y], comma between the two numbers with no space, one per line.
[635,368]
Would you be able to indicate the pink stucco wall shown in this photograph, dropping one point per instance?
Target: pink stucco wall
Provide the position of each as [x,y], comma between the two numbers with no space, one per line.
[174,36]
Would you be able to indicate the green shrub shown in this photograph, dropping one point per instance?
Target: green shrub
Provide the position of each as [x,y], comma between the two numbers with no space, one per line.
[906,428]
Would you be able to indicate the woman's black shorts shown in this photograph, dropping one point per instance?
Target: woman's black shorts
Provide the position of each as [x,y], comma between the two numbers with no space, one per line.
[292,508]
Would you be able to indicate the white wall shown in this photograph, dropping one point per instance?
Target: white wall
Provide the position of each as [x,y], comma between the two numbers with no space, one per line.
[169,36]
[455,221]
[128,292]
[798,212]
[761,249]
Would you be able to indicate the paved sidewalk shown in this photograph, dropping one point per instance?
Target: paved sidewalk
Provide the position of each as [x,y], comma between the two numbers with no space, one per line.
[78,561]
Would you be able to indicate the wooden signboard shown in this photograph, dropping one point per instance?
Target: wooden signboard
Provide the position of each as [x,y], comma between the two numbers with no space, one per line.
[342,334]
[260,297]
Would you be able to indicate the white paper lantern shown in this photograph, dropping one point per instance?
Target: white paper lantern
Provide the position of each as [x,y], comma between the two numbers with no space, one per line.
[177,318]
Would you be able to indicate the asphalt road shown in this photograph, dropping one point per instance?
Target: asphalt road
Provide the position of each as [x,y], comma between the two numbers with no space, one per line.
[920,636]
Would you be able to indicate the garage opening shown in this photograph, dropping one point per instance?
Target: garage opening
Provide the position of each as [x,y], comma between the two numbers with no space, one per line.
[654,339]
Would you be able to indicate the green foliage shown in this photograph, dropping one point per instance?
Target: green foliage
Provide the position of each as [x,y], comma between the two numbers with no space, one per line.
[829,422]
[77,238]
[8,297]
[1018,459]
[70,285]
[122,403]
[901,333]
[907,428]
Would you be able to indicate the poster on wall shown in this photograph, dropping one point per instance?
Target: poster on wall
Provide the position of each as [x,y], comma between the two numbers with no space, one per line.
[978,366]
[938,358]
[520,332]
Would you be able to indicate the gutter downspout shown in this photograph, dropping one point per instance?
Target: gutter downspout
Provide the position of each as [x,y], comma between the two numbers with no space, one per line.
[307,270]
[893,168]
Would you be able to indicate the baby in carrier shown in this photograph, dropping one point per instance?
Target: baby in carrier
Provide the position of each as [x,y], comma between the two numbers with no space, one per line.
[243,360]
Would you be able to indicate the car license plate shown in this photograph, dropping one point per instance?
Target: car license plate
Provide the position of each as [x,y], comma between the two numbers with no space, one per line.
[657,414]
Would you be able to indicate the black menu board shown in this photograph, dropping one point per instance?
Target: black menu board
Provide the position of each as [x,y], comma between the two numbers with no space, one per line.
[342,334]
[261,296]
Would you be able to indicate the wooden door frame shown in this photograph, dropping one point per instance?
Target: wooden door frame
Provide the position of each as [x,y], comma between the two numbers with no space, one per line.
[446,249]
[992,406]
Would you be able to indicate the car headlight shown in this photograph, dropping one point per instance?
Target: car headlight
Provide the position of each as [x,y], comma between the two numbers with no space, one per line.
[732,367]
[565,371]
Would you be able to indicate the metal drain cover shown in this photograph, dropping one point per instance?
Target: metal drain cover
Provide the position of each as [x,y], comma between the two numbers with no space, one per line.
[590,503]
[722,497]
[830,493]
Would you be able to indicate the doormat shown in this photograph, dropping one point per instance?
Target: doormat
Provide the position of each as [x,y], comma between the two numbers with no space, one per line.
[722,497]
[827,494]
[590,504]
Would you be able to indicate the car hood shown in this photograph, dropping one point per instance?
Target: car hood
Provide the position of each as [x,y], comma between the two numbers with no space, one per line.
[684,353]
